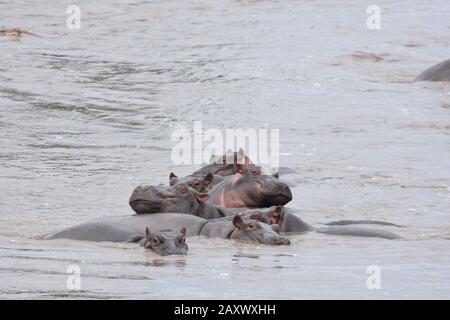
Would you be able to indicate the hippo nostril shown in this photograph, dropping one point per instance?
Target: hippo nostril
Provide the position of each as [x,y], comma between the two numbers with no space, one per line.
[280,241]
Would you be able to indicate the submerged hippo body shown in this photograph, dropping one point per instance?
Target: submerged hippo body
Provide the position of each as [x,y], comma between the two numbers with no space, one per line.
[134,228]
[438,72]
[129,229]
[291,223]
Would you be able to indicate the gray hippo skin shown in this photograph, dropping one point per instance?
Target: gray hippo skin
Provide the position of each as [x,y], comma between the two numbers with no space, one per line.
[129,228]
[133,228]
[179,198]
[438,72]
[291,223]
[250,188]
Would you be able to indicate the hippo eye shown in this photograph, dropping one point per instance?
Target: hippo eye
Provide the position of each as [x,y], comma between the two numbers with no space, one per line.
[255,215]
[252,226]
[255,171]
[156,241]
[195,183]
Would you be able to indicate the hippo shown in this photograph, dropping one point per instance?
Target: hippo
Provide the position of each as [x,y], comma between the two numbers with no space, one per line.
[250,188]
[166,242]
[178,198]
[198,182]
[438,72]
[291,223]
[226,164]
[133,228]
[110,230]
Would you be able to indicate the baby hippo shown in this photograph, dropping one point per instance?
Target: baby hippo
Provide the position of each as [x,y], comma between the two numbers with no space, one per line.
[166,242]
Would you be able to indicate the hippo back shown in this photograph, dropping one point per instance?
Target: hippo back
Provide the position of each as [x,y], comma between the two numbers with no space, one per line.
[438,72]
[160,221]
[98,231]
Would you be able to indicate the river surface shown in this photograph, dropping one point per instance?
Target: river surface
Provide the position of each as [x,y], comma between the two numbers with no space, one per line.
[86,115]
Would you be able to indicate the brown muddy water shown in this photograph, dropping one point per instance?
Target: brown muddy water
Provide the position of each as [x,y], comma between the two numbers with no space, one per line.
[86,115]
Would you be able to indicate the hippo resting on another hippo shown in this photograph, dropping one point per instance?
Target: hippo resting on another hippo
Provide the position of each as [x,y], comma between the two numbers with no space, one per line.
[438,72]
[133,228]
[247,189]
[291,223]
[225,165]
[179,199]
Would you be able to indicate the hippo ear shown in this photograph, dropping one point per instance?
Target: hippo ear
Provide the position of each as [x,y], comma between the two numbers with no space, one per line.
[279,209]
[238,168]
[156,240]
[208,179]
[201,197]
[227,156]
[212,158]
[172,175]
[238,222]
[240,157]
[183,235]
[277,214]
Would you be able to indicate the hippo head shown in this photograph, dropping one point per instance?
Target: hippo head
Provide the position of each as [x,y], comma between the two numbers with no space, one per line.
[161,198]
[259,190]
[255,231]
[277,215]
[271,216]
[166,242]
[225,165]
[200,183]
